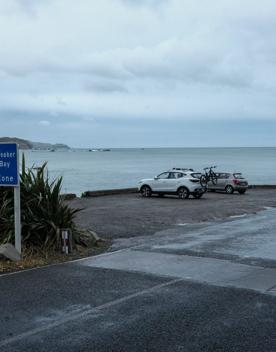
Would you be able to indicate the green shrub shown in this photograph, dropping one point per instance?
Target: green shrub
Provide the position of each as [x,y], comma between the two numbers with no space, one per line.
[43,211]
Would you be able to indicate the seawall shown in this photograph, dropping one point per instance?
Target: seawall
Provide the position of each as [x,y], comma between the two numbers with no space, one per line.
[108,192]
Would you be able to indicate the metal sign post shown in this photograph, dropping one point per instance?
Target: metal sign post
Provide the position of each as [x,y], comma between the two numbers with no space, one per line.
[9,177]
[17,218]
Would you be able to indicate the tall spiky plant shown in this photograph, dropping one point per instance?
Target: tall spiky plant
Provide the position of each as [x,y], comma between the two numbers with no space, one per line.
[43,211]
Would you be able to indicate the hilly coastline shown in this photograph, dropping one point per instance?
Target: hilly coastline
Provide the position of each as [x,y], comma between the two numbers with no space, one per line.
[25,144]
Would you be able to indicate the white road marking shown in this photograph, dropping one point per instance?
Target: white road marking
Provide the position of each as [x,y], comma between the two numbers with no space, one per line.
[238,216]
[69,317]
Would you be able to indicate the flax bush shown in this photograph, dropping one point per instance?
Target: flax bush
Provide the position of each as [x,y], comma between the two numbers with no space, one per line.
[43,211]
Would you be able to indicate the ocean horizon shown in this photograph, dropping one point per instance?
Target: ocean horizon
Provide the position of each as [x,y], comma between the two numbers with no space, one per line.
[83,169]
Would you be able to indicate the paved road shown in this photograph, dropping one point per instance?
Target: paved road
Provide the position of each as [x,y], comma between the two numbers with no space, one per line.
[207,287]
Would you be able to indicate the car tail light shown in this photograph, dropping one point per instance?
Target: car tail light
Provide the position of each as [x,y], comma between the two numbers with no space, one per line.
[194,180]
[236,182]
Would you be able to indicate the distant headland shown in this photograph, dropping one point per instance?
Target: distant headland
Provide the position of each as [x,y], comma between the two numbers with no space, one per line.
[25,144]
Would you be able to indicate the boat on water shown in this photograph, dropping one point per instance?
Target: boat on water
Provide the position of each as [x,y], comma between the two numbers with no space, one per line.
[99,150]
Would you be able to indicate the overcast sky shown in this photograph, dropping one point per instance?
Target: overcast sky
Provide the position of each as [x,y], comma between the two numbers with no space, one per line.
[126,73]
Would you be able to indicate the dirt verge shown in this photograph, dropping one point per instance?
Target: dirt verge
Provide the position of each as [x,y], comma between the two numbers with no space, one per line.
[42,258]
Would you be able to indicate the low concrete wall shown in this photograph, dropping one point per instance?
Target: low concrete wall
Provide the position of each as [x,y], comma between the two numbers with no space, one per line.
[68,196]
[108,192]
[263,186]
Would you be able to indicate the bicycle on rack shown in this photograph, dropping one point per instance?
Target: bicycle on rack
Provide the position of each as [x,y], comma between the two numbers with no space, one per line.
[209,176]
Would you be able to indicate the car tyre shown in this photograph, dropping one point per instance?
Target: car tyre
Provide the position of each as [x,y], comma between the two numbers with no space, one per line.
[146,191]
[183,193]
[229,189]
[242,191]
[197,195]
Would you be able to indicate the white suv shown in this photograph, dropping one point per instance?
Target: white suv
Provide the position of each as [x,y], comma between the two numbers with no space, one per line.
[182,182]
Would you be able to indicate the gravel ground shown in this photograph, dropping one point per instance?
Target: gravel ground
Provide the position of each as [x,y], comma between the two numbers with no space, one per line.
[130,215]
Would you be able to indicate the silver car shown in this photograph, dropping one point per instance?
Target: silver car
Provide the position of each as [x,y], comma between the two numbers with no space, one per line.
[229,182]
[183,182]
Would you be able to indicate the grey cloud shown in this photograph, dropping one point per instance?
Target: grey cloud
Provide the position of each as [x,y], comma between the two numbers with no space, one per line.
[105,87]
[27,7]
[144,2]
[140,132]
[168,60]
[174,60]
[136,59]
[61,101]
[102,65]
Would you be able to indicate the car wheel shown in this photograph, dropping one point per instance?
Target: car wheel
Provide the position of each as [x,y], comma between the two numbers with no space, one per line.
[229,189]
[146,191]
[242,191]
[183,193]
[197,195]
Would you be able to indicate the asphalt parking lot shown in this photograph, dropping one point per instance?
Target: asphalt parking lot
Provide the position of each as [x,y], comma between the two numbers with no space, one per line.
[198,287]
[130,215]
[85,309]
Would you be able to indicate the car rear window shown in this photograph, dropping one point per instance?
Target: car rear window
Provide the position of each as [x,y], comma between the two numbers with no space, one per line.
[238,176]
[222,175]
[177,175]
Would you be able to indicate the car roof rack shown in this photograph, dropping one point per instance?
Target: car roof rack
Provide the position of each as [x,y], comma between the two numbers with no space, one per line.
[182,169]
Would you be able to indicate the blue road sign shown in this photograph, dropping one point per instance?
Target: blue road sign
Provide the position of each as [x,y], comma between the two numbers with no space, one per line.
[9,165]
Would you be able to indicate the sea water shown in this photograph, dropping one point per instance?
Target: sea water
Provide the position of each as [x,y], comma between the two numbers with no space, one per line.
[84,170]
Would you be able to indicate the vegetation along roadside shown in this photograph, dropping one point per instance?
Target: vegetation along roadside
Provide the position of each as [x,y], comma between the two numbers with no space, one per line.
[44,213]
